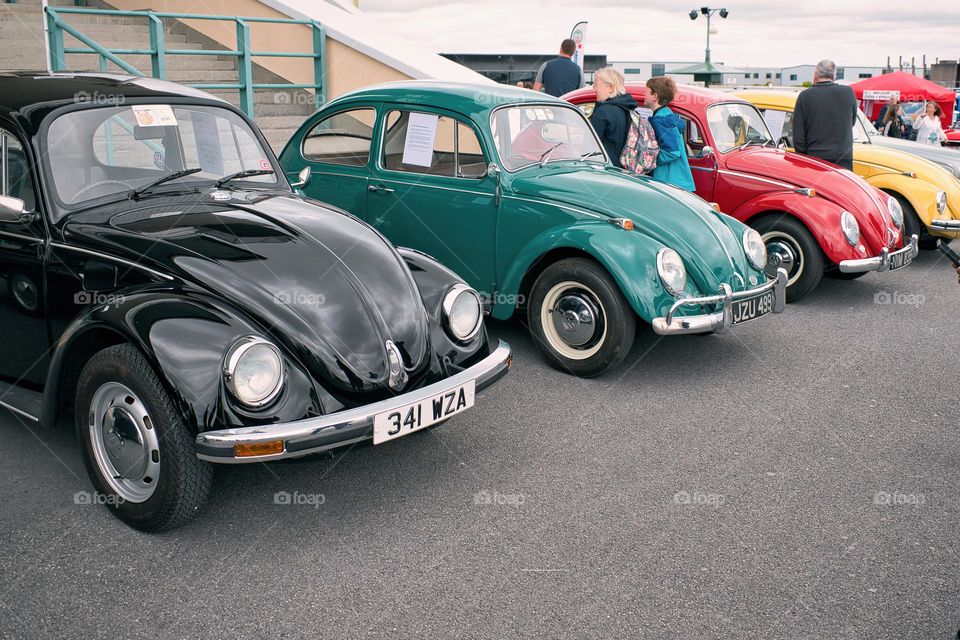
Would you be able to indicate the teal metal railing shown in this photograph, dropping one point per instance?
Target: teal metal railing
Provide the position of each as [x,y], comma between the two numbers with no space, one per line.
[159,53]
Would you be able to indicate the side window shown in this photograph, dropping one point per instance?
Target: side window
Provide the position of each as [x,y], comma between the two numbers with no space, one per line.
[693,137]
[16,176]
[343,138]
[431,144]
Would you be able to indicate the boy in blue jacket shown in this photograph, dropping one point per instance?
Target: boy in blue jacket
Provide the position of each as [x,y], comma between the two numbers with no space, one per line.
[672,165]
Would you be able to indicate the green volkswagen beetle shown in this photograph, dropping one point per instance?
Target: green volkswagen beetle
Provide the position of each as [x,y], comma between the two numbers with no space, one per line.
[512,190]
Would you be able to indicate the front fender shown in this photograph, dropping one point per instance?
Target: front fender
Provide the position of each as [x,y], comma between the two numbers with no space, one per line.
[185,339]
[921,195]
[819,215]
[629,256]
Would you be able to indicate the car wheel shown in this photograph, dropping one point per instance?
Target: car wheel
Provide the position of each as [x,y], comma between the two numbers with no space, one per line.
[579,318]
[788,241]
[138,451]
[913,225]
[24,292]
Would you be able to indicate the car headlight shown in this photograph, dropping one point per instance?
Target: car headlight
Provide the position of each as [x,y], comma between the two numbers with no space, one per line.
[851,228]
[463,312]
[672,273]
[941,201]
[253,371]
[896,211]
[755,248]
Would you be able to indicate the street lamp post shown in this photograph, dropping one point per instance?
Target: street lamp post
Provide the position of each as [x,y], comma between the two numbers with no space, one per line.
[708,12]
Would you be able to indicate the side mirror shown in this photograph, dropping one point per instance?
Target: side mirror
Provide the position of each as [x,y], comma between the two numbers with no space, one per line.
[783,143]
[302,178]
[706,152]
[493,170]
[13,210]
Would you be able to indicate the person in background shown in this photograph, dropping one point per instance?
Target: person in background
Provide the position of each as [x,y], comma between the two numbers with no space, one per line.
[611,115]
[824,116]
[560,75]
[928,127]
[883,111]
[672,164]
[893,126]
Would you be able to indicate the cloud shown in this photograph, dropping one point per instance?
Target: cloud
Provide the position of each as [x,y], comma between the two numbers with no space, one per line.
[757,33]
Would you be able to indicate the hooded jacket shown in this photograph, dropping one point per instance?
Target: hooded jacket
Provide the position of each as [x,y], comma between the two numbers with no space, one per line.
[672,164]
[611,121]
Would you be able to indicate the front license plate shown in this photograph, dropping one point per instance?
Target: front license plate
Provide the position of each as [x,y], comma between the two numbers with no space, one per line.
[752,308]
[899,261]
[419,415]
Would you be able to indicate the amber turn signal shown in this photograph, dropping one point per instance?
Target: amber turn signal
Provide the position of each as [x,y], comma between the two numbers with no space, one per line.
[715,206]
[258,449]
[624,223]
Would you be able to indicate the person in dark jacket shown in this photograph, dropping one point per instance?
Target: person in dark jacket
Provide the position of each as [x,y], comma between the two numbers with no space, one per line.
[893,126]
[560,75]
[611,115]
[824,116]
[673,167]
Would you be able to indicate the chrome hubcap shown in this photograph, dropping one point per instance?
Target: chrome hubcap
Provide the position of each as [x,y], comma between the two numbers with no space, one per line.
[574,318]
[783,253]
[125,443]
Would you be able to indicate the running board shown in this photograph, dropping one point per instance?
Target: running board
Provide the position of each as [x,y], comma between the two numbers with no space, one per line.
[23,402]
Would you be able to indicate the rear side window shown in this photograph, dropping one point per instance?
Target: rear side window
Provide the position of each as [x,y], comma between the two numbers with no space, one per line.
[16,177]
[343,138]
[431,144]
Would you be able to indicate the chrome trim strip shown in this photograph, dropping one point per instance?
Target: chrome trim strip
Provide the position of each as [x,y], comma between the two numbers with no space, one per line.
[107,256]
[695,168]
[435,186]
[20,237]
[555,204]
[752,177]
[945,225]
[352,425]
[19,411]
[719,321]
[882,262]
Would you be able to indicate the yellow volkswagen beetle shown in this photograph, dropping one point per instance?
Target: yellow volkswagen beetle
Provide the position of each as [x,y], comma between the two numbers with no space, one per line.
[926,191]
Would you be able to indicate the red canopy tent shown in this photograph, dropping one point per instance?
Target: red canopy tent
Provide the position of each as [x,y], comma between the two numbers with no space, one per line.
[874,92]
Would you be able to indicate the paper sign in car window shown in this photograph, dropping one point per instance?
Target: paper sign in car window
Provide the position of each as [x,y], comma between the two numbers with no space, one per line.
[207,135]
[154,115]
[775,120]
[421,134]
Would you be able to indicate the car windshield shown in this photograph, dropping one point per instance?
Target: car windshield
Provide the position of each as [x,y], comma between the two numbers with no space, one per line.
[863,129]
[529,134]
[737,125]
[106,151]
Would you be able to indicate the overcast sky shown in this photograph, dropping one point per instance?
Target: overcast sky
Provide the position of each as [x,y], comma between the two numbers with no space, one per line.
[757,33]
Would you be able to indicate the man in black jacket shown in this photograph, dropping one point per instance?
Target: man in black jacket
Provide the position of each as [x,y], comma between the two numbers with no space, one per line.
[824,117]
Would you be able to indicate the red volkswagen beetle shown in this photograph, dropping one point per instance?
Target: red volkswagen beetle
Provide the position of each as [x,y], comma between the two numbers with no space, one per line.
[815,217]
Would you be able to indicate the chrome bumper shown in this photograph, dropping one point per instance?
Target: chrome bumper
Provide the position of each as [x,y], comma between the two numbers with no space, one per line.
[346,427]
[718,321]
[945,225]
[882,261]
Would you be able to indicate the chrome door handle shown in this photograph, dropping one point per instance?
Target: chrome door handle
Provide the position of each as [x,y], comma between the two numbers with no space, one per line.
[379,189]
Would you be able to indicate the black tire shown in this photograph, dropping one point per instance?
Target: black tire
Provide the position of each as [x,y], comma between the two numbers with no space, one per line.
[582,285]
[912,224]
[182,481]
[782,233]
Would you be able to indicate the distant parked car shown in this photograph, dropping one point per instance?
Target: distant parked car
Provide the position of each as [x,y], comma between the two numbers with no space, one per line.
[925,191]
[513,190]
[814,217]
[168,287]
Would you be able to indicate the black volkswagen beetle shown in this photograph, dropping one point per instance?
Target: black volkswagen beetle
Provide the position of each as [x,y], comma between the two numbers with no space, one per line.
[165,285]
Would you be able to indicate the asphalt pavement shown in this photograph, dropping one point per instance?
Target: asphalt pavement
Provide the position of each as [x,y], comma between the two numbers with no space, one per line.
[795,478]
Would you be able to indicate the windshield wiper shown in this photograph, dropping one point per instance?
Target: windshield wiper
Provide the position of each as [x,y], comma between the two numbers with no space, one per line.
[591,154]
[745,145]
[546,154]
[248,173]
[137,193]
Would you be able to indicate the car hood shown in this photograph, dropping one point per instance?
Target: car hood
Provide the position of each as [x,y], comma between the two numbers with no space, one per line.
[845,188]
[321,282]
[939,155]
[711,250]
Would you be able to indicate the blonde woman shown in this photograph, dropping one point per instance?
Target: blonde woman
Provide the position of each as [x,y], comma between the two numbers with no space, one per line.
[611,115]
[928,127]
